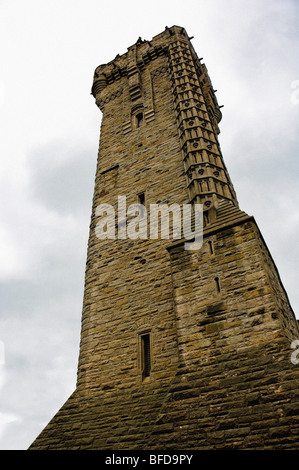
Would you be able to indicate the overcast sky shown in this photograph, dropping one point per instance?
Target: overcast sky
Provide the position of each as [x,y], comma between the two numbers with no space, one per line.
[48,149]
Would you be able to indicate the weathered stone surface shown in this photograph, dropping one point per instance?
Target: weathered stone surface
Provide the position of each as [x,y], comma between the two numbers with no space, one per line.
[219,320]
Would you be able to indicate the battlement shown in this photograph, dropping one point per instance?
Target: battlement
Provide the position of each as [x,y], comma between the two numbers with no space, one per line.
[142,53]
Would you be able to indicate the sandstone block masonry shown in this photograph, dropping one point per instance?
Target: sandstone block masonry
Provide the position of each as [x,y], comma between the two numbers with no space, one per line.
[179,349]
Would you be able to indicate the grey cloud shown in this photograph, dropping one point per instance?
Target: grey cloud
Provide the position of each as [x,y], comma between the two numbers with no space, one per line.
[62,175]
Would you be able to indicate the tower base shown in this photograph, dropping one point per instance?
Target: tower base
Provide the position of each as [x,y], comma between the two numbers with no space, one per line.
[236,382]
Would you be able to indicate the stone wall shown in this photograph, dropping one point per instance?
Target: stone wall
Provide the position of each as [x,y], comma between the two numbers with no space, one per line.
[219,322]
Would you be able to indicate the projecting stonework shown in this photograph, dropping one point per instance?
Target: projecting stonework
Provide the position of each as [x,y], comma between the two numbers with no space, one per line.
[180,349]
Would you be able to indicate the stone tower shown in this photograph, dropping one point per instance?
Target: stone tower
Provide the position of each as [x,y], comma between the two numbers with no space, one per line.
[180,349]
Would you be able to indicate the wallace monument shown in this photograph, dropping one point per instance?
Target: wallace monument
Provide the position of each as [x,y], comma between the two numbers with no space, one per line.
[185,343]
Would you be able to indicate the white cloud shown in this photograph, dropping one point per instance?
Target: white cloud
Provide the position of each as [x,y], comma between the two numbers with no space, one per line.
[5,419]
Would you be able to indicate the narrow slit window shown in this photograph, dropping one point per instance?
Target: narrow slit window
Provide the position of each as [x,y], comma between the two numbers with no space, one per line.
[206,217]
[211,247]
[139,119]
[146,355]
[141,198]
[217,282]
